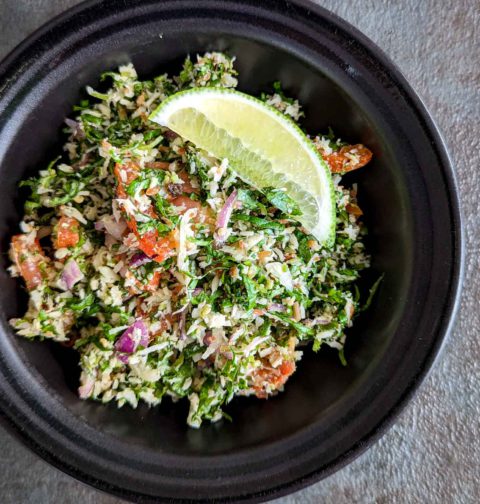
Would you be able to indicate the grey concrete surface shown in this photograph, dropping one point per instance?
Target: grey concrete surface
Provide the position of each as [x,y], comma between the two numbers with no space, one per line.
[432,454]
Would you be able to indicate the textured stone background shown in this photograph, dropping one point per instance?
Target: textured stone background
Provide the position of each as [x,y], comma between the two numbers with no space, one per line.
[432,454]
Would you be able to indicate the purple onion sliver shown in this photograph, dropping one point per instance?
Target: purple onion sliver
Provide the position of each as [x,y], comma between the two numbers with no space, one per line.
[228,354]
[208,339]
[116,229]
[71,274]
[321,321]
[182,309]
[71,123]
[170,135]
[109,240]
[111,226]
[75,127]
[181,325]
[223,218]
[86,389]
[140,259]
[277,307]
[226,211]
[122,358]
[135,335]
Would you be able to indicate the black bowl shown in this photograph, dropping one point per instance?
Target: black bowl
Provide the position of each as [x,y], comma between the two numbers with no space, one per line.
[328,414]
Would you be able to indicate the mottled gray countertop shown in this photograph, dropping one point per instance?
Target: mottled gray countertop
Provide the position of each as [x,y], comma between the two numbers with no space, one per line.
[432,454]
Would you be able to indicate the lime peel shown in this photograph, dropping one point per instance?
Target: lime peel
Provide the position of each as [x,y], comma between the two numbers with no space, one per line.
[264,147]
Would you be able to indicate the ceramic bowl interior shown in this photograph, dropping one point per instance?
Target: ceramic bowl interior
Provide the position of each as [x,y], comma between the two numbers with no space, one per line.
[327,412]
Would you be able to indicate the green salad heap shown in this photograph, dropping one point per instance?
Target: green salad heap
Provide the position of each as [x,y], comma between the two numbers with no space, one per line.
[167,270]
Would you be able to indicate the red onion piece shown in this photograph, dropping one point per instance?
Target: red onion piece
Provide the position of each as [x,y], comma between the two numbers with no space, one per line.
[123,271]
[277,307]
[182,309]
[122,358]
[71,123]
[135,335]
[75,127]
[111,226]
[170,135]
[71,274]
[140,259]
[181,324]
[224,217]
[208,339]
[321,321]
[86,389]
[228,354]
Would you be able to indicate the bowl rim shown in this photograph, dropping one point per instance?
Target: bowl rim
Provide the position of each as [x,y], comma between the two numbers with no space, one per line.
[9,73]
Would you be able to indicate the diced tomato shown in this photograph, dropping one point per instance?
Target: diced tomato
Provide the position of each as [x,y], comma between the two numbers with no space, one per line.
[185,203]
[152,191]
[273,377]
[30,259]
[150,286]
[125,174]
[148,242]
[67,233]
[187,183]
[354,209]
[158,165]
[348,158]
[166,247]
[131,224]
[153,282]
[158,248]
[287,368]
[176,289]
[204,214]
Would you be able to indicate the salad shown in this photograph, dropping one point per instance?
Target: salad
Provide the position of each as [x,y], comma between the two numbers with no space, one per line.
[167,270]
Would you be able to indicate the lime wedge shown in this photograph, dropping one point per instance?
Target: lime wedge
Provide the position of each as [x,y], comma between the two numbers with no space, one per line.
[265,148]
